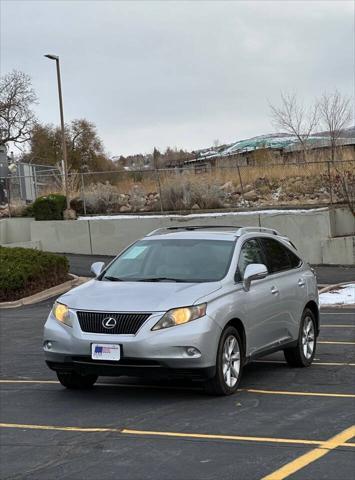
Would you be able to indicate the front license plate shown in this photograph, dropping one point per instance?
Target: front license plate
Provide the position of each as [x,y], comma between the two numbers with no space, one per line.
[105,351]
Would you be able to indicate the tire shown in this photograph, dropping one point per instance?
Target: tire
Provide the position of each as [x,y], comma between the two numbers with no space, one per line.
[302,354]
[226,380]
[75,381]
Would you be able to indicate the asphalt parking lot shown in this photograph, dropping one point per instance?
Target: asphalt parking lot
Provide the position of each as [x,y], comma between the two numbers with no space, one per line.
[296,420]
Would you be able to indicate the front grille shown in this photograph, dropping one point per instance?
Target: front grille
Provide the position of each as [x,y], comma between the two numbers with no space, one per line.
[127,323]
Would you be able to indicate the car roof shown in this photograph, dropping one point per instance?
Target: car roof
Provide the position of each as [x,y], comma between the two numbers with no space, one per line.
[195,234]
[215,232]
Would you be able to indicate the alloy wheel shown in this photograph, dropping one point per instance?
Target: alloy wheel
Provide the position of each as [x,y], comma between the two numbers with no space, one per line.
[231,361]
[308,338]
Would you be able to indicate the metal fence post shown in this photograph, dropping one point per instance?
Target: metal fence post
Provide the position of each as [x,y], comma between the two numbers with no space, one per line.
[35,185]
[159,187]
[330,184]
[241,183]
[9,195]
[83,192]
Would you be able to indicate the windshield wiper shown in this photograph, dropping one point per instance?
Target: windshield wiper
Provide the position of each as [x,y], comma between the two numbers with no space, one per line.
[113,279]
[161,279]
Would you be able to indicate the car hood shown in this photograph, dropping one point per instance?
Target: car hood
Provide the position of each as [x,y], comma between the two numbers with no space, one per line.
[136,296]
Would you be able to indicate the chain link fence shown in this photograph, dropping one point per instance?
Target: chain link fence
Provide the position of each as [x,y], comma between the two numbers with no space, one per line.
[183,189]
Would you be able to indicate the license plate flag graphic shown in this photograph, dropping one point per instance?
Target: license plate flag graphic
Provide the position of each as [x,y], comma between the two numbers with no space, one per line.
[105,352]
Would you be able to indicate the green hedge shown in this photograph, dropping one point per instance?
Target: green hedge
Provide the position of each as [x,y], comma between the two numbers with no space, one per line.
[24,271]
[49,207]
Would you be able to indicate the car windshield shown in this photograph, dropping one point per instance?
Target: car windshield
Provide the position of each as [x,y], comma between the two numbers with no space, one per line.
[173,260]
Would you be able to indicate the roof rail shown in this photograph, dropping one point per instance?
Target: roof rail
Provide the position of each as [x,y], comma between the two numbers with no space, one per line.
[191,227]
[258,229]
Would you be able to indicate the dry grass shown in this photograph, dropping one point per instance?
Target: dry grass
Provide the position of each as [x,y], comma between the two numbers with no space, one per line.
[215,188]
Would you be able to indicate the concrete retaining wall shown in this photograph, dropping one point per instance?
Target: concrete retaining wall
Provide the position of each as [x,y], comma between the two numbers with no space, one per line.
[64,236]
[305,231]
[110,236]
[311,231]
[340,250]
[15,230]
[342,222]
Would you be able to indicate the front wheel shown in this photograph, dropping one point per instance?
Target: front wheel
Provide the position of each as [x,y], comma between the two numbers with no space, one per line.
[76,381]
[303,353]
[229,364]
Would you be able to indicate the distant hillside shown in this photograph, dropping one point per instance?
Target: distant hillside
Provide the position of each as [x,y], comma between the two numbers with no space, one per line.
[280,141]
[271,140]
[346,133]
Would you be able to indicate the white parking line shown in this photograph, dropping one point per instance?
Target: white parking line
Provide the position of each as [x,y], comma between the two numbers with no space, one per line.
[338,364]
[337,326]
[338,313]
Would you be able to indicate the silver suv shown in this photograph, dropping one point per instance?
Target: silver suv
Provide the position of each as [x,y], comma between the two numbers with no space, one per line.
[197,302]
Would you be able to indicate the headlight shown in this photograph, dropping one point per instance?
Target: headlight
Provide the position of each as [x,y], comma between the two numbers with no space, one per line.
[61,313]
[178,316]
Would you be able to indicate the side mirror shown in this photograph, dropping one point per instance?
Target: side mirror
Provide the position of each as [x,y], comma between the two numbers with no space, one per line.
[254,271]
[96,268]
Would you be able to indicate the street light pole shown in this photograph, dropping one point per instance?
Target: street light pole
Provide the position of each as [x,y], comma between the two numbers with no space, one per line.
[65,158]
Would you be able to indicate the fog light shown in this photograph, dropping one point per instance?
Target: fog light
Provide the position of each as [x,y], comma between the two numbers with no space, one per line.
[48,345]
[192,351]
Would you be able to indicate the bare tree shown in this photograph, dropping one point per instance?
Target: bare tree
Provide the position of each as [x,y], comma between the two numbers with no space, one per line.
[293,118]
[16,99]
[335,115]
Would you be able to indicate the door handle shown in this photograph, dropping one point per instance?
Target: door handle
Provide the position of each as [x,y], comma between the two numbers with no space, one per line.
[301,282]
[274,290]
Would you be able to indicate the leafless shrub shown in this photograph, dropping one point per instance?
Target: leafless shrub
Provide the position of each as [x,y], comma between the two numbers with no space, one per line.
[102,198]
[187,192]
[137,197]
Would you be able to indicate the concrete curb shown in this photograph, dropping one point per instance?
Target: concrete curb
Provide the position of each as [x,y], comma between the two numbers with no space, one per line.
[331,287]
[336,305]
[45,294]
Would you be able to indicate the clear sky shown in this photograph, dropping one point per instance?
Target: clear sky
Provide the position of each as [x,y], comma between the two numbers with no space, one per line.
[178,73]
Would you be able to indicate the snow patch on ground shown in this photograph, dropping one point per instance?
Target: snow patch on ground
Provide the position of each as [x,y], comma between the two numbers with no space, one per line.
[340,296]
[199,215]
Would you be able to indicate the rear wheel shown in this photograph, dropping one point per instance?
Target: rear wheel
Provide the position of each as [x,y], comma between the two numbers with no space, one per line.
[303,353]
[229,364]
[76,381]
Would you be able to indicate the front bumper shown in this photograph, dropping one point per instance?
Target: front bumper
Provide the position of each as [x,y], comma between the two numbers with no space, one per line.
[130,367]
[146,353]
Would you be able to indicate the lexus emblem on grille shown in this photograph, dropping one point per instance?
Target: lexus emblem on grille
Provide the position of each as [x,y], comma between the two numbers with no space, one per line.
[109,322]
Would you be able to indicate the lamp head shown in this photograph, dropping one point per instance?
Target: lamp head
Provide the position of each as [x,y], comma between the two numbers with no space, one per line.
[52,57]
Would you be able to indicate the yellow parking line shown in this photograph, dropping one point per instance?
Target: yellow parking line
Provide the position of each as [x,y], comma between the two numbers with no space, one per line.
[128,431]
[228,437]
[335,343]
[52,427]
[128,385]
[249,390]
[311,456]
[219,437]
[302,394]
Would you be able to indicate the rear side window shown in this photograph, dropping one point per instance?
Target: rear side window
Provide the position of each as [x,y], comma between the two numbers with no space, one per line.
[294,260]
[278,257]
[249,253]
